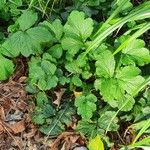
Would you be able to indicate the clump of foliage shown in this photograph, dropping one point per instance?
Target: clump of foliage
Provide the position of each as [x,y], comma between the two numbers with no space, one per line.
[80,53]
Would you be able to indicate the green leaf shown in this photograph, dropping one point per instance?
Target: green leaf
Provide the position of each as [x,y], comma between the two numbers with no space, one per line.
[104,120]
[42,73]
[143,129]
[129,105]
[27,19]
[2,4]
[41,99]
[26,43]
[127,5]
[143,143]
[76,80]
[57,124]
[86,105]
[88,128]
[51,82]
[126,80]
[43,109]
[77,30]
[72,45]
[72,67]
[96,144]
[56,27]
[105,65]
[111,91]
[7,68]
[78,26]
[41,113]
[129,78]
[48,67]
[56,51]
[139,13]
[38,119]
[136,53]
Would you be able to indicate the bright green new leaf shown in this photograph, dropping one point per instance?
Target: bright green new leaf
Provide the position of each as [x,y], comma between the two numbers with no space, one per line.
[96,144]
[129,78]
[135,52]
[127,5]
[86,105]
[111,91]
[6,68]
[27,19]
[26,43]
[77,30]
[77,26]
[129,100]
[76,80]
[105,64]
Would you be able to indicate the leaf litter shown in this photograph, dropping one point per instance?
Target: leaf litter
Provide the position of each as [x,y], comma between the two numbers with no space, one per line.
[17,132]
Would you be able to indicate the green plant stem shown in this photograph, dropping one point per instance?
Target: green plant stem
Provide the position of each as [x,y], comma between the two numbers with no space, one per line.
[141,144]
[115,116]
[30,5]
[139,14]
[114,14]
[133,37]
[145,127]
[142,86]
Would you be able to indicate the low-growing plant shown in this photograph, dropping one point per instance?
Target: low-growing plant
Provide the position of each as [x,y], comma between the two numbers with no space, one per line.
[77,54]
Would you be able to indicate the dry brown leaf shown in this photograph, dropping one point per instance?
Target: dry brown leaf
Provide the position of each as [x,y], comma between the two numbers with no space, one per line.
[22,105]
[70,142]
[18,142]
[65,146]
[1,127]
[2,113]
[31,133]
[22,79]
[59,95]
[17,127]
[65,136]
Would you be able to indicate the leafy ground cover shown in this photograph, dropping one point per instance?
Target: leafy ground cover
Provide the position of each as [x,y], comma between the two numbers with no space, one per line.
[76,71]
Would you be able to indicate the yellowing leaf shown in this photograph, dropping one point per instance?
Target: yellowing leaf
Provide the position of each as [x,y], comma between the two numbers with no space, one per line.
[96,144]
[76,94]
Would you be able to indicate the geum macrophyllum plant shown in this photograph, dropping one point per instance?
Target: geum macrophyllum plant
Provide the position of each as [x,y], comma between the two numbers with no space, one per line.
[78,55]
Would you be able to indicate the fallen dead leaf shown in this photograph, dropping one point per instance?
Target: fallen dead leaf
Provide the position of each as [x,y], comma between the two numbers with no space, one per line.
[17,127]
[22,105]
[70,142]
[2,113]
[22,79]
[1,127]
[69,139]
[18,141]
[59,95]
